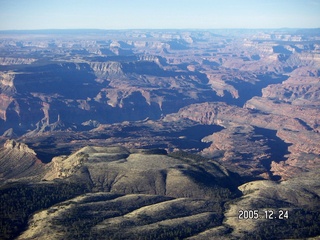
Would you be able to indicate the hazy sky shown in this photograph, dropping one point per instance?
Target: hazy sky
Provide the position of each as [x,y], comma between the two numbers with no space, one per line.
[141,14]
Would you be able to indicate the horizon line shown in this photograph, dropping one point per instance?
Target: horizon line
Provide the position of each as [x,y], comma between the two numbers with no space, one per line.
[155,29]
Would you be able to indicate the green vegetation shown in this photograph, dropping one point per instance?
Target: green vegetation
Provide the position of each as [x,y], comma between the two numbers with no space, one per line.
[80,220]
[20,200]
[210,175]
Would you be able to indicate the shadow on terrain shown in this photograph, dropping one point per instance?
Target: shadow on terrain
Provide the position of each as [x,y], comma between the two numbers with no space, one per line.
[248,90]
[190,138]
[278,148]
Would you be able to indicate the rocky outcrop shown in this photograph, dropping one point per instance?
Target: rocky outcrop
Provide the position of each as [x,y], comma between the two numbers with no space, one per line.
[18,161]
[21,147]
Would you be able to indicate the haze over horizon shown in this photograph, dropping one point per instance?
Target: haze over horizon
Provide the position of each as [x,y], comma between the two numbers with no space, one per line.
[165,14]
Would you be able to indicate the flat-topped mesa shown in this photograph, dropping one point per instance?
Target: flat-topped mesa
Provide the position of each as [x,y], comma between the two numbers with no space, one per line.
[12,144]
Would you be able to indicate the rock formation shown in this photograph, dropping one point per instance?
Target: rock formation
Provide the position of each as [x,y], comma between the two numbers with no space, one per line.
[18,161]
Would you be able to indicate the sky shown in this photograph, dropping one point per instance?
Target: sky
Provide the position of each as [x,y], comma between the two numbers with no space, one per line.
[158,14]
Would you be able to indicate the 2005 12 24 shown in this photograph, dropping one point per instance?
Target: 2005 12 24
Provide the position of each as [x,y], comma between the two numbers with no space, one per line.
[267,214]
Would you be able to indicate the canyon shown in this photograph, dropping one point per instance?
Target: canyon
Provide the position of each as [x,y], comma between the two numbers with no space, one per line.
[175,129]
